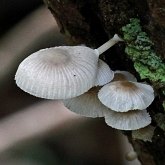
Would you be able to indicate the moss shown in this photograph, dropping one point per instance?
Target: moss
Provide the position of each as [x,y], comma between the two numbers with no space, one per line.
[140,49]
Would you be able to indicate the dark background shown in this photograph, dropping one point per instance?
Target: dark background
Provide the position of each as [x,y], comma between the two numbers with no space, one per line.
[12,11]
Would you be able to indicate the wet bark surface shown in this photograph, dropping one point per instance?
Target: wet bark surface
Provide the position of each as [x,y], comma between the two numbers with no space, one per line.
[94,22]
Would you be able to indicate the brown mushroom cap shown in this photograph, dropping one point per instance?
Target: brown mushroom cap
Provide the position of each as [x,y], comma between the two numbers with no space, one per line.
[124,76]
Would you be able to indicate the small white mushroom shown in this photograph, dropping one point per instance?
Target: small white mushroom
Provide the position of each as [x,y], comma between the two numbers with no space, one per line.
[131,155]
[144,134]
[87,104]
[122,96]
[124,76]
[104,74]
[60,72]
[130,120]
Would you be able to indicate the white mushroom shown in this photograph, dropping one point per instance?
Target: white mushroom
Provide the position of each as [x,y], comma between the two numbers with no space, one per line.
[104,74]
[131,155]
[87,104]
[60,72]
[130,120]
[124,76]
[144,134]
[122,96]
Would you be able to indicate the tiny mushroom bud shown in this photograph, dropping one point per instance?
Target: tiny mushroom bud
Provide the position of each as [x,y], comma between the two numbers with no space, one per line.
[104,74]
[130,120]
[60,72]
[124,76]
[131,155]
[87,104]
[122,96]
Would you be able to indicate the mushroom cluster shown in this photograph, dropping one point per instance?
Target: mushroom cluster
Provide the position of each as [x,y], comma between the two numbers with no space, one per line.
[127,100]
[121,102]
[87,85]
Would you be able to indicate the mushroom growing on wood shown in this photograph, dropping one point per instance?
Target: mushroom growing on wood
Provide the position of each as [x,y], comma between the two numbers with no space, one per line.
[61,72]
[87,104]
[58,73]
[104,74]
[131,120]
[122,96]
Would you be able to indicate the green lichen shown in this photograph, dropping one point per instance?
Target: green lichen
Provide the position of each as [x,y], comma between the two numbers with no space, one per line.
[140,49]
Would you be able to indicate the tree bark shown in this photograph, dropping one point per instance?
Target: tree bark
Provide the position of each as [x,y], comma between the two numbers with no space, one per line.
[93,22]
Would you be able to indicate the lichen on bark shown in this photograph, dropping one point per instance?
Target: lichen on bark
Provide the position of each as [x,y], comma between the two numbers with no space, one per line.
[140,49]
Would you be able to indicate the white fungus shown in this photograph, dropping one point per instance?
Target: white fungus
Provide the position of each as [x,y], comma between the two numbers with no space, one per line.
[131,155]
[122,96]
[87,104]
[104,74]
[131,120]
[58,73]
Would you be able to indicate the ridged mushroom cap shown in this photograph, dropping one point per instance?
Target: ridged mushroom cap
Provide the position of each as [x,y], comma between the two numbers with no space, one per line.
[58,73]
[122,96]
[124,76]
[131,120]
[87,104]
[144,134]
[104,74]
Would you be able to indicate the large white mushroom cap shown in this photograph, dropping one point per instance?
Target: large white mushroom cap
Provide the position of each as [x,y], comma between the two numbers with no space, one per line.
[59,72]
[131,120]
[104,74]
[122,96]
[87,104]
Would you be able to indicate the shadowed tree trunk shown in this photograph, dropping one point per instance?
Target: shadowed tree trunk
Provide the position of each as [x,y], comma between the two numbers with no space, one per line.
[94,22]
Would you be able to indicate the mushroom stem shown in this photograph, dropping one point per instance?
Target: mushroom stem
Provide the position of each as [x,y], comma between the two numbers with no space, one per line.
[108,44]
